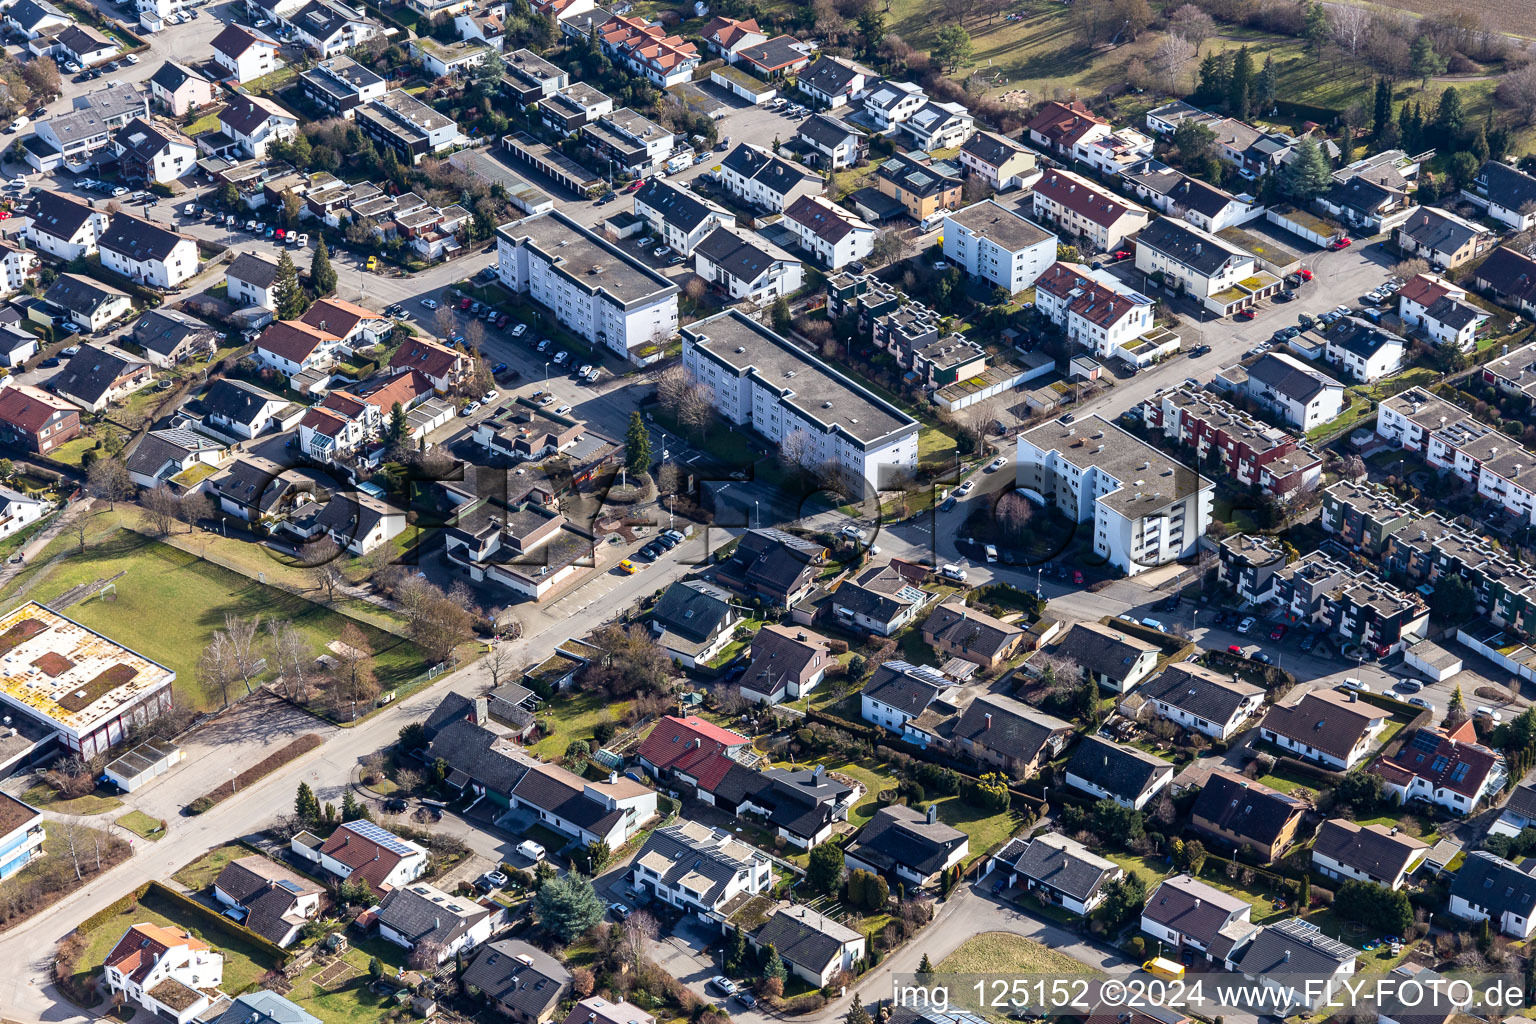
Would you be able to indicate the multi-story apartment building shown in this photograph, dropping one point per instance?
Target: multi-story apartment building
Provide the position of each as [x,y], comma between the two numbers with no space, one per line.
[649,50]
[1083,208]
[1356,606]
[755,378]
[677,216]
[1146,509]
[1254,454]
[1215,273]
[999,161]
[340,85]
[592,286]
[829,232]
[1094,309]
[755,175]
[408,126]
[925,190]
[990,241]
[636,144]
[1247,563]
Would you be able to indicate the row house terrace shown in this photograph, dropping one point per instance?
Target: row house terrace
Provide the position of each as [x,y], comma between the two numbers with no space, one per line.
[1254,453]
[1356,606]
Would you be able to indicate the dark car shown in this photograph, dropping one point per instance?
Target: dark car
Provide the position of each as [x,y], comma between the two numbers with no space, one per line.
[949,503]
[499,368]
[394,805]
[49,363]
[1284,297]
[746,999]
[1309,641]
[1260,657]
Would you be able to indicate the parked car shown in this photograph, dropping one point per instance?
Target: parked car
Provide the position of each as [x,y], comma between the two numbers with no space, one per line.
[72,350]
[1351,683]
[561,410]
[1277,634]
[490,396]
[470,409]
[1309,641]
[530,849]
[1406,685]
[1284,296]
[1246,626]
[18,124]
[746,999]
[518,330]
[1343,243]
[1260,657]
[618,910]
[1420,702]
[429,303]
[725,986]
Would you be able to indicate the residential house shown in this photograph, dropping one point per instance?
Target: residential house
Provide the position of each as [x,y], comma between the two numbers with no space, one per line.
[164,454]
[1009,734]
[357,522]
[84,301]
[829,232]
[421,917]
[801,806]
[34,420]
[252,123]
[1058,871]
[94,378]
[1203,700]
[692,751]
[75,139]
[169,337]
[878,600]
[697,868]
[990,241]
[62,226]
[1178,195]
[814,948]
[1253,452]
[1451,771]
[1505,194]
[244,54]
[962,632]
[34,18]
[153,153]
[1366,853]
[694,621]
[178,89]
[531,79]
[1327,727]
[165,970]
[17,512]
[757,177]
[262,1008]
[1489,888]
[16,345]
[832,142]
[84,45]
[1186,913]
[649,50]
[519,980]
[912,847]
[18,266]
[1081,208]
[576,105]
[1111,657]
[236,409]
[747,268]
[899,692]
[1110,771]
[924,190]
[251,280]
[147,253]
[1443,238]
[1240,812]
[677,217]
[1366,204]
[1298,963]
[1366,351]
[340,85]
[937,125]
[1000,162]
[268,898]
[1219,276]
[785,663]
[776,566]
[1509,277]
[441,365]
[360,851]
[1094,309]
[834,82]
[1441,310]
[1113,154]
[597,1010]
[330,27]
[1060,127]
[258,490]
[449,60]
[1300,395]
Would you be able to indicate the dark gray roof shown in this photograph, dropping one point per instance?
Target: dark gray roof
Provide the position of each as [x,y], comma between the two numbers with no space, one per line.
[677,206]
[1121,771]
[1438,230]
[1294,947]
[1065,865]
[56,214]
[160,447]
[1523,801]
[138,239]
[829,75]
[81,294]
[172,75]
[1198,691]
[544,788]
[970,630]
[31,13]
[1182,242]
[688,848]
[164,331]
[1495,885]
[1194,194]
[1008,726]
[900,835]
[804,938]
[1453,312]
[1245,808]
[91,373]
[1504,184]
[991,148]
[800,801]
[827,131]
[469,748]
[917,178]
[773,54]
[254,270]
[1362,195]
[145,139]
[692,609]
[1191,907]
[1287,377]
[236,401]
[907,688]
[263,1008]
[1510,272]
[1363,338]
[522,976]
[761,166]
[1376,850]
[451,708]
[423,913]
[742,257]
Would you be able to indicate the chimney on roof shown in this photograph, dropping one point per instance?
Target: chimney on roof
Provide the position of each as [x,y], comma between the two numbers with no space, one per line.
[613,778]
[933,813]
[988,720]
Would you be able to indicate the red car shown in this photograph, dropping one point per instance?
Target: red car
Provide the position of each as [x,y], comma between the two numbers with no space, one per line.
[1278,633]
[465,302]
[1077,576]
[1234,649]
[503,320]
[1123,254]
[1383,650]
[1245,315]
[1343,243]
[1304,274]
[635,185]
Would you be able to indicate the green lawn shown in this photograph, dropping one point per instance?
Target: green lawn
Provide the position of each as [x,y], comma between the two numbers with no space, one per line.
[170,603]
[244,965]
[71,452]
[1376,961]
[572,716]
[207,123]
[142,825]
[1009,955]
[199,874]
[42,796]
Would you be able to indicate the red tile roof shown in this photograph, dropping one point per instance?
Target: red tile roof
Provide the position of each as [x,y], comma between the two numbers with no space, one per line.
[1083,197]
[29,408]
[142,945]
[692,746]
[433,360]
[1064,123]
[323,422]
[404,388]
[338,316]
[1443,762]
[293,340]
[1425,289]
[1094,302]
[728,31]
[368,860]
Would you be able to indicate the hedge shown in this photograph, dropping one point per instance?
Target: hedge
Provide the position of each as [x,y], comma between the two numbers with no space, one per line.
[218,922]
[258,771]
[1166,642]
[114,908]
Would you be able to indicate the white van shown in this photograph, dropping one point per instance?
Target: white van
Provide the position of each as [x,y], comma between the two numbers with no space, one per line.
[1354,684]
[1484,711]
[952,572]
[991,552]
[530,849]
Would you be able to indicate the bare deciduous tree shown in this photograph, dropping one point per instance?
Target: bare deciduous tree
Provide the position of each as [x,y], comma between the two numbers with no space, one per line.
[1170,62]
[1517,93]
[1350,25]
[216,667]
[161,509]
[639,929]
[195,508]
[1191,23]
[244,651]
[498,662]
[108,479]
[324,559]
[444,320]
[290,654]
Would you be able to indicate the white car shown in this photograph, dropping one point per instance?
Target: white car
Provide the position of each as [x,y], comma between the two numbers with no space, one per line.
[586,368]
[997,463]
[1246,626]
[519,330]
[72,350]
[470,409]
[561,357]
[18,124]
[131,58]
[304,241]
[429,303]
[489,397]
[561,410]
[1354,684]
[1484,711]
[851,532]
[952,572]
[965,488]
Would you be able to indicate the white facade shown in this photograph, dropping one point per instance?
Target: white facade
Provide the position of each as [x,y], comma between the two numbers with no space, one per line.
[777,277]
[1385,359]
[855,432]
[1011,264]
[1110,154]
[890,103]
[16,267]
[1093,308]
[258,58]
[167,273]
[593,288]
[850,239]
[80,243]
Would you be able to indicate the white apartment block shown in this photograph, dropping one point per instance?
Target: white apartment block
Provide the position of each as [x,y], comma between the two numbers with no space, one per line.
[829,232]
[1093,307]
[1146,509]
[592,287]
[757,379]
[990,241]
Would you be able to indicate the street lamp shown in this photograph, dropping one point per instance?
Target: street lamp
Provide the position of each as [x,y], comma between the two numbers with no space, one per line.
[546,371]
[756,519]
[234,781]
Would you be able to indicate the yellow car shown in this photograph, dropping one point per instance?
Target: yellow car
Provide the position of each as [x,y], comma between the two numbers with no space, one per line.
[373,263]
[628,568]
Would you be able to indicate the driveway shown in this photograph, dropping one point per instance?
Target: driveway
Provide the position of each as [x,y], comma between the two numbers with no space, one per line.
[681,953]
